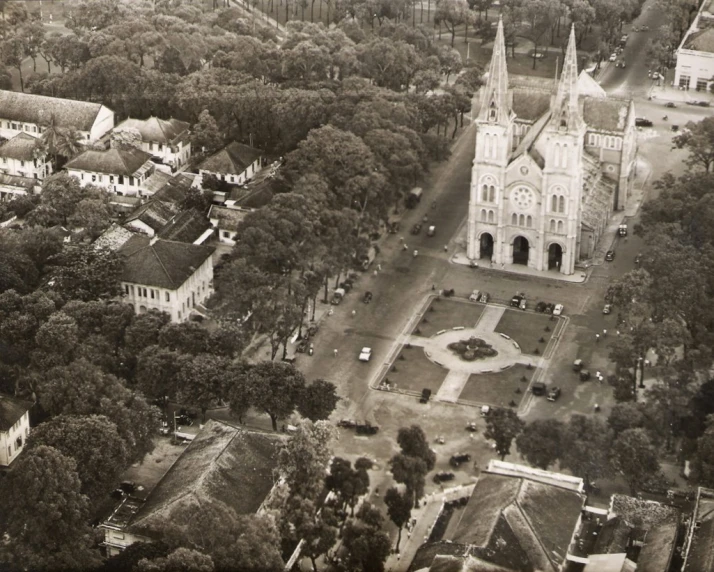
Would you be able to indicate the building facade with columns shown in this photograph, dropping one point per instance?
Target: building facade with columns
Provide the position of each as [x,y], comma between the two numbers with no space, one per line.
[553,160]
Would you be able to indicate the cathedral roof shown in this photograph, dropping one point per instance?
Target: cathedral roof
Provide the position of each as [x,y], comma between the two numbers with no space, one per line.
[597,193]
[527,143]
[608,114]
[530,104]
[588,86]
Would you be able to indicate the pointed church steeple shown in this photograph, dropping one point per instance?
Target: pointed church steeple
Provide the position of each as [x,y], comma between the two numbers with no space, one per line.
[565,106]
[494,97]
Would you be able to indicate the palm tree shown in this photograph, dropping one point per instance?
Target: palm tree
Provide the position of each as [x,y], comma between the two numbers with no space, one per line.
[59,141]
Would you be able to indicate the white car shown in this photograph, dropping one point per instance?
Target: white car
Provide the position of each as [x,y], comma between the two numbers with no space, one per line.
[558,310]
[613,57]
[365,354]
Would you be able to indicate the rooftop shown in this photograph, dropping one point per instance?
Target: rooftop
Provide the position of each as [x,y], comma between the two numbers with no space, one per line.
[161,263]
[30,108]
[18,182]
[187,226]
[125,161]
[223,462]
[157,130]
[233,159]
[155,213]
[606,114]
[11,410]
[176,188]
[21,147]
[699,552]
[227,218]
[113,238]
[530,104]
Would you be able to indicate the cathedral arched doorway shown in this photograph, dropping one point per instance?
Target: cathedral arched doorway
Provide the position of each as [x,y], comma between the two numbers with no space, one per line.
[486,246]
[520,250]
[555,256]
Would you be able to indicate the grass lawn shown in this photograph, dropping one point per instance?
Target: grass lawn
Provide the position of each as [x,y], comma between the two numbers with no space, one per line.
[498,388]
[415,371]
[527,328]
[445,314]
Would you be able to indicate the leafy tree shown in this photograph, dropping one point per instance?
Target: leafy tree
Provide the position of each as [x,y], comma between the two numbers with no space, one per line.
[86,273]
[61,192]
[201,381]
[413,443]
[399,509]
[626,416]
[319,535]
[13,52]
[144,331]
[585,446]
[318,400]
[59,335]
[46,514]
[128,558]
[185,338]
[276,388]
[453,13]
[698,139]
[410,471]
[540,442]
[367,547]
[180,560]
[205,134]
[303,460]
[635,458]
[347,482]
[157,372]
[92,442]
[502,426]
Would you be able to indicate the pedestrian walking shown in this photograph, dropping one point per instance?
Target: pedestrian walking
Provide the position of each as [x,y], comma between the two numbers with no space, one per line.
[354,313]
[617,332]
[334,352]
[597,338]
[405,247]
[416,252]
[379,267]
[446,248]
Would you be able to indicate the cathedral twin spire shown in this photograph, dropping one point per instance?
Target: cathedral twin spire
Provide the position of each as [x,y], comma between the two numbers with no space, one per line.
[495,106]
[494,97]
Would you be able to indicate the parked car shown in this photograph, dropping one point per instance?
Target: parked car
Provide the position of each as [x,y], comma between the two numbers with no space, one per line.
[337,296]
[474,296]
[485,296]
[367,297]
[346,423]
[459,458]
[184,420]
[670,104]
[472,427]
[642,122]
[607,308]
[622,230]
[366,429]
[610,255]
[538,388]
[523,304]
[558,310]
[425,395]
[365,354]
[443,476]
[613,56]
[393,227]
[347,285]
[553,394]
[485,410]
[301,348]
[638,259]
[431,231]
[540,307]
[416,229]
[578,365]
[516,300]
[549,307]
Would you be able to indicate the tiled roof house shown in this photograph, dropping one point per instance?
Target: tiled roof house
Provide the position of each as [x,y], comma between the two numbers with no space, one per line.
[235,163]
[223,463]
[172,277]
[20,157]
[165,139]
[226,220]
[27,113]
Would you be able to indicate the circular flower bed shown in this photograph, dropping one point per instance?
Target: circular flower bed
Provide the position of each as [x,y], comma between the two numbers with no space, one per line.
[472,349]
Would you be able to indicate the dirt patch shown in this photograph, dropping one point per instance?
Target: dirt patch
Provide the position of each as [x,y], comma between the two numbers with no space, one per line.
[498,388]
[446,314]
[415,372]
[531,331]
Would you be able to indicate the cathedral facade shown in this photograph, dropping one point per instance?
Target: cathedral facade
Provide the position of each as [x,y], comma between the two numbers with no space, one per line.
[553,160]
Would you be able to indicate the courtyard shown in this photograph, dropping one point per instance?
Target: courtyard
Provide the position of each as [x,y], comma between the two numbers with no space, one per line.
[471,353]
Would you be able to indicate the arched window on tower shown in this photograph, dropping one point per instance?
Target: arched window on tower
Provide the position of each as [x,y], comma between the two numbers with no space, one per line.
[560,226]
[514,219]
[483,215]
[556,154]
[529,221]
[492,112]
[552,225]
[521,220]
[561,204]
[491,216]
[491,193]
[564,157]
[554,203]
[484,193]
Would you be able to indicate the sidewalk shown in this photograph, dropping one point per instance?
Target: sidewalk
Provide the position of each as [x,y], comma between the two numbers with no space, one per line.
[668,92]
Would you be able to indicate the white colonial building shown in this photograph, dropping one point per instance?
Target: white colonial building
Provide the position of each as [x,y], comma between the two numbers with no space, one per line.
[14,427]
[29,113]
[167,140]
[226,220]
[695,55]
[21,157]
[165,275]
[122,171]
[235,163]
[550,166]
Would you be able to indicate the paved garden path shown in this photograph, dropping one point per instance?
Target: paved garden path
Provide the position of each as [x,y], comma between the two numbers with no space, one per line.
[489,319]
[453,385]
